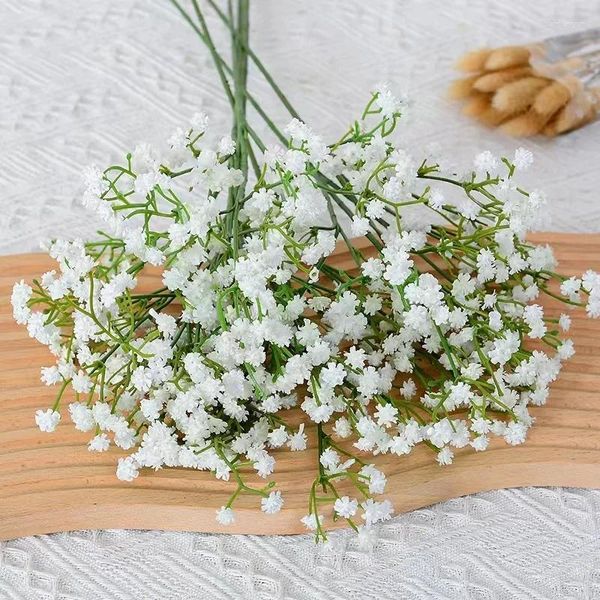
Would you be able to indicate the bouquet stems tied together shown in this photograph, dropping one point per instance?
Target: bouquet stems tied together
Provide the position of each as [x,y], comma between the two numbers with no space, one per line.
[422,340]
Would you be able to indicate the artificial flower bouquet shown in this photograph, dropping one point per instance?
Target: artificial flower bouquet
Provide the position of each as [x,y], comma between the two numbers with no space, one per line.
[423,339]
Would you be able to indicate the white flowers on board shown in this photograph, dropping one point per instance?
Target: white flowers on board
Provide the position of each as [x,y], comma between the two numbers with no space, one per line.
[423,340]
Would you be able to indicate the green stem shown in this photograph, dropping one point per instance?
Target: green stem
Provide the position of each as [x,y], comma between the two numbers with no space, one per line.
[239,39]
[259,65]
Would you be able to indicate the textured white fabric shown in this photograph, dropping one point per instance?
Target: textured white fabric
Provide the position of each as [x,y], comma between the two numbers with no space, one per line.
[83,82]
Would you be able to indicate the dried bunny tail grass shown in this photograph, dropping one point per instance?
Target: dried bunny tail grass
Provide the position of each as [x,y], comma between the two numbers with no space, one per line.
[493,117]
[474,60]
[506,90]
[490,82]
[476,104]
[461,88]
[508,56]
[525,125]
[551,99]
[517,96]
[572,116]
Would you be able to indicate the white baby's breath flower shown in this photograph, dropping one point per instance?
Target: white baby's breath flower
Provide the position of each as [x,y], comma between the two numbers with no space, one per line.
[21,294]
[226,146]
[82,416]
[523,159]
[377,480]
[127,469]
[564,322]
[360,226]
[387,102]
[566,350]
[225,515]
[81,382]
[342,428]
[50,375]
[436,199]
[278,437]
[47,420]
[480,443]
[485,162]
[375,512]
[329,458]
[99,443]
[297,441]
[272,503]
[199,122]
[345,507]
[166,324]
[515,433]
[310,521]
[445,456]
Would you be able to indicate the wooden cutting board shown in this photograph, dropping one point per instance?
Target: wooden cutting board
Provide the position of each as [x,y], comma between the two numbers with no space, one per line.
[51,482]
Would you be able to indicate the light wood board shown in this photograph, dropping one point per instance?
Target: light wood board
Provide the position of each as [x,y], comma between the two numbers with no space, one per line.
[51,482]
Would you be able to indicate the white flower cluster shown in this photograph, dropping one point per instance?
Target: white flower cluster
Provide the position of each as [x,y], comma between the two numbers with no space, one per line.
[423,340]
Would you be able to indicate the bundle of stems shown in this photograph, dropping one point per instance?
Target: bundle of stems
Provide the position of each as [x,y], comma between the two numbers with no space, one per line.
[234,81]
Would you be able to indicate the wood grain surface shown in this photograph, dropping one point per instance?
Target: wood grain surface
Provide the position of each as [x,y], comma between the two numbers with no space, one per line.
[50,482]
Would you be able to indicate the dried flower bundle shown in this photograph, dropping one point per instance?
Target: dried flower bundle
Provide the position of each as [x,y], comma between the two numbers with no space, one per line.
[551,87]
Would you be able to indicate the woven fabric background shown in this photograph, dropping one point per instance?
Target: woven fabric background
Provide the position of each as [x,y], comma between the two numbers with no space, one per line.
[83,82]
